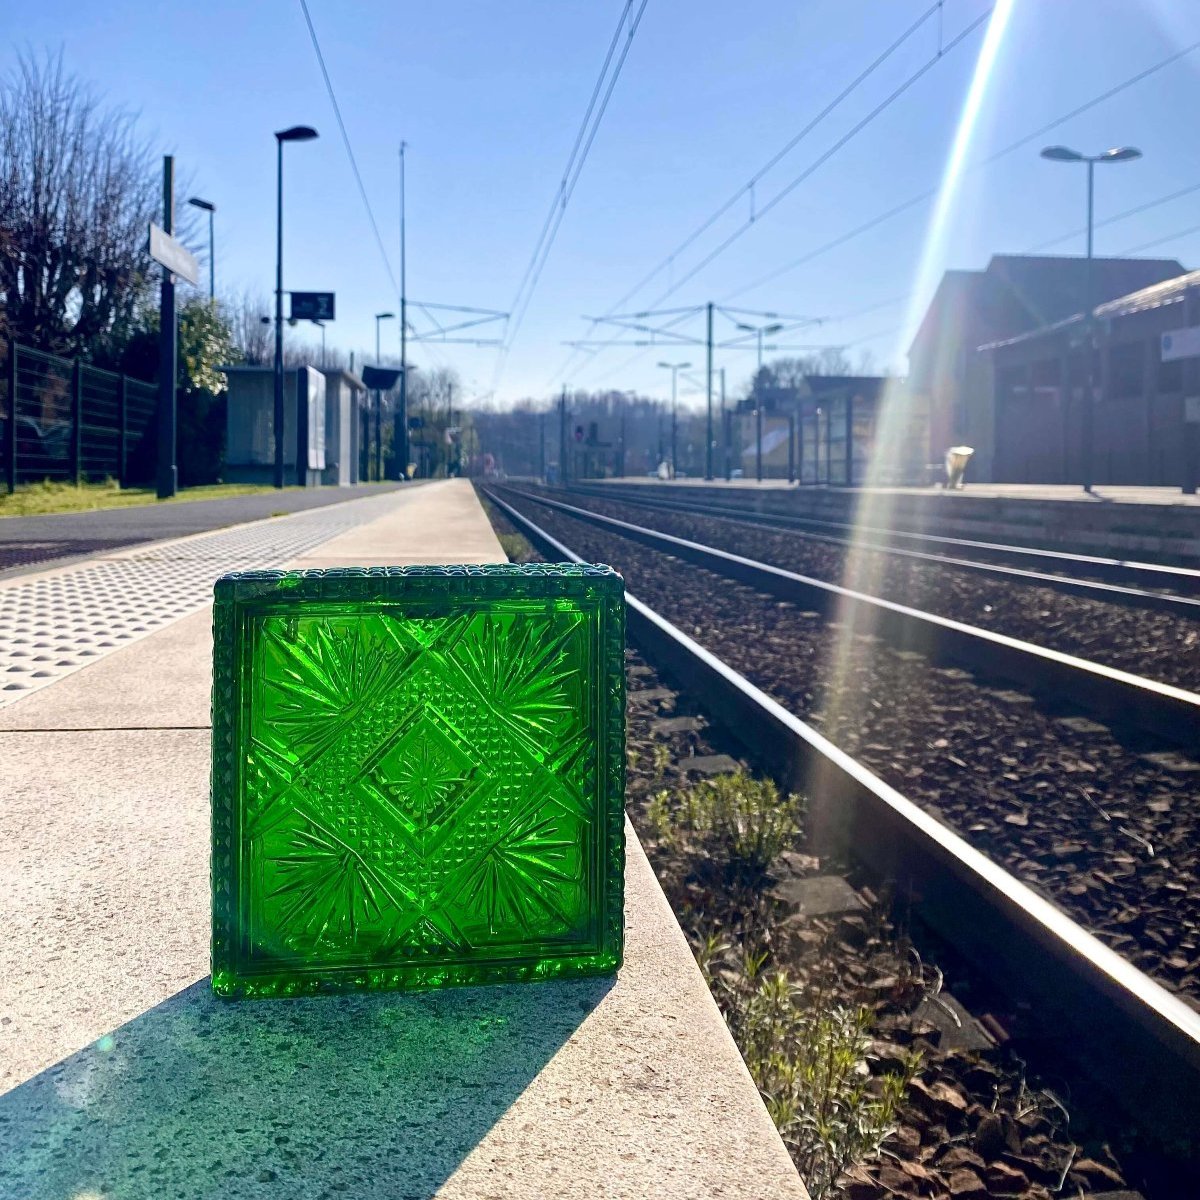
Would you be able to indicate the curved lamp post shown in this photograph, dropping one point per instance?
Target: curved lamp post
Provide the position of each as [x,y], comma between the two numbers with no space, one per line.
[210,208]
[297,133]
[1067,155]
[674,368]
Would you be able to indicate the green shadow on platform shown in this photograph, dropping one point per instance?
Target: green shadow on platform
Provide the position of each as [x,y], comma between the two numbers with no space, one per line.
[378,1095]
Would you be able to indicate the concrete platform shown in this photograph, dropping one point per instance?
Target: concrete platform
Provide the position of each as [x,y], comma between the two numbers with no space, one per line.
[1150,523]
[126,1078]
[1101,494]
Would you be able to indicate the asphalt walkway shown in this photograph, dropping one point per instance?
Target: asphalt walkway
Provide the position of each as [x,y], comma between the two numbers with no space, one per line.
[27,541]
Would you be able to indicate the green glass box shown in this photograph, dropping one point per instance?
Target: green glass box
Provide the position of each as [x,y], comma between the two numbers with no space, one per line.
[418,777]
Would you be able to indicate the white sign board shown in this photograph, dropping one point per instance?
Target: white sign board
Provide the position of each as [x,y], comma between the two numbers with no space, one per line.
[1181,343]
[173,255]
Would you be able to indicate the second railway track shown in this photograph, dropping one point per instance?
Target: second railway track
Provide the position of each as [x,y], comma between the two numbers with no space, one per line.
[1148,633]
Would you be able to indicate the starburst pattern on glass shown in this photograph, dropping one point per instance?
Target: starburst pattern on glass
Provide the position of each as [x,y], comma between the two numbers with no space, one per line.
[418,776]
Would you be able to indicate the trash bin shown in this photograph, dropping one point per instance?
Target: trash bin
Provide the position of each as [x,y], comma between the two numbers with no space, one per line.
[957,458]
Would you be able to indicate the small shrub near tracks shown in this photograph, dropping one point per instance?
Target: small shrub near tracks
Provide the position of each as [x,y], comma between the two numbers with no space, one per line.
[741,821]
[807,1054]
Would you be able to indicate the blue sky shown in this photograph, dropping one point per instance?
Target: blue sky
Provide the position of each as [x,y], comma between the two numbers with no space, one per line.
[489,97]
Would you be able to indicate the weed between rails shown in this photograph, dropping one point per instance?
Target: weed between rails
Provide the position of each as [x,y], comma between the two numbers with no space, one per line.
[806,1048]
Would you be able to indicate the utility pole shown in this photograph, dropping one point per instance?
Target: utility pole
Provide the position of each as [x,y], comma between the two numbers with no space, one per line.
[1088,416]
[708,443]
[726,432]
[542,447]
[758,411]
[621,473]
[562,437]
[402,416]
[168,473]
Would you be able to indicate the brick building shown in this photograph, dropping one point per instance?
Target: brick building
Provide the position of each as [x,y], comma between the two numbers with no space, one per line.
[1013,295]
[1140,431]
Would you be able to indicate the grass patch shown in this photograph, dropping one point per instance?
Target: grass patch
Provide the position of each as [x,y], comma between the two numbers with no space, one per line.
[740,821]
[806,1042]
[808,1053]
[34,499]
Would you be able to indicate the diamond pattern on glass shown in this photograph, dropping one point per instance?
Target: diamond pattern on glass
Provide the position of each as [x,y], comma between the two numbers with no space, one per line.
[418,777]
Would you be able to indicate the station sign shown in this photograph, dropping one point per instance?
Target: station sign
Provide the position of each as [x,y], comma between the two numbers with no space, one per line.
[173,255]
[312,306]
[1181,343]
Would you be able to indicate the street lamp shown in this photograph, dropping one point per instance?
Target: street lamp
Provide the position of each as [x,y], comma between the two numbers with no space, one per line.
[760,330]
[384,316]
[297,133]
[674,368]
[206,206]
[1067,155]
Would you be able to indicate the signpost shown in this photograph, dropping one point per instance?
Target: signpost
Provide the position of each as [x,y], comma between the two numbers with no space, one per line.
[173,255]
[175,260]
[312,306]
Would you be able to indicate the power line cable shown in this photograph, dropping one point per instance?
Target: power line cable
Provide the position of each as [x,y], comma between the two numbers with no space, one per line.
[820,161]
[557,201]
[913,201]
[1124,215]
[1129,212]
[1170,237]
[337,112]
[839,144]
[586,135]
[776,158]
[773,161]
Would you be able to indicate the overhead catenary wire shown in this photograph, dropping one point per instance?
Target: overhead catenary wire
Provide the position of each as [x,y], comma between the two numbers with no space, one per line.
[1158,241]
[606,83]
[820,161]
[748,187]
[829,153]
[1011,148]
[337,112]
[913,201]
[777,157]
[1123,215]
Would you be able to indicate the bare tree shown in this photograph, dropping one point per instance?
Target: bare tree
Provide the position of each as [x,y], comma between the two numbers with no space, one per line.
[77,191]
[250,320]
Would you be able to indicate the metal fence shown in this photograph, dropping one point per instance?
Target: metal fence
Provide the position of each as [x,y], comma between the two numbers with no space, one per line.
[63,419]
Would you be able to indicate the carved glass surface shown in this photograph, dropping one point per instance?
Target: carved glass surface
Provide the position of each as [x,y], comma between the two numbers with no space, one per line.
[418,777]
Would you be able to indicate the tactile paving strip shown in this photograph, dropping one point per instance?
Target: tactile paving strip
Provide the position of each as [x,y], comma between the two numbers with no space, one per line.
[54,624]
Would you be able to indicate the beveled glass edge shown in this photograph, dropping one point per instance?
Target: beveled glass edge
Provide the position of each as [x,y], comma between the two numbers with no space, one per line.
[379,582]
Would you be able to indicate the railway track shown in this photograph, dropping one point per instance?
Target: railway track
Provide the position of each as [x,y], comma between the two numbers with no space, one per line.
[1138,1037]
[1094,621]
[1075,573]
[1167,713]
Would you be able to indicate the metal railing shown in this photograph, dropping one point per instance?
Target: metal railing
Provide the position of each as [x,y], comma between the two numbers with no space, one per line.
[63,419]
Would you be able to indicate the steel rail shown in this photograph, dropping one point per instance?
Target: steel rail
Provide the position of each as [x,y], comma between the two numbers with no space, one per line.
[1127,1031]
[1146,574]
[1187,607]
[1167,713]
